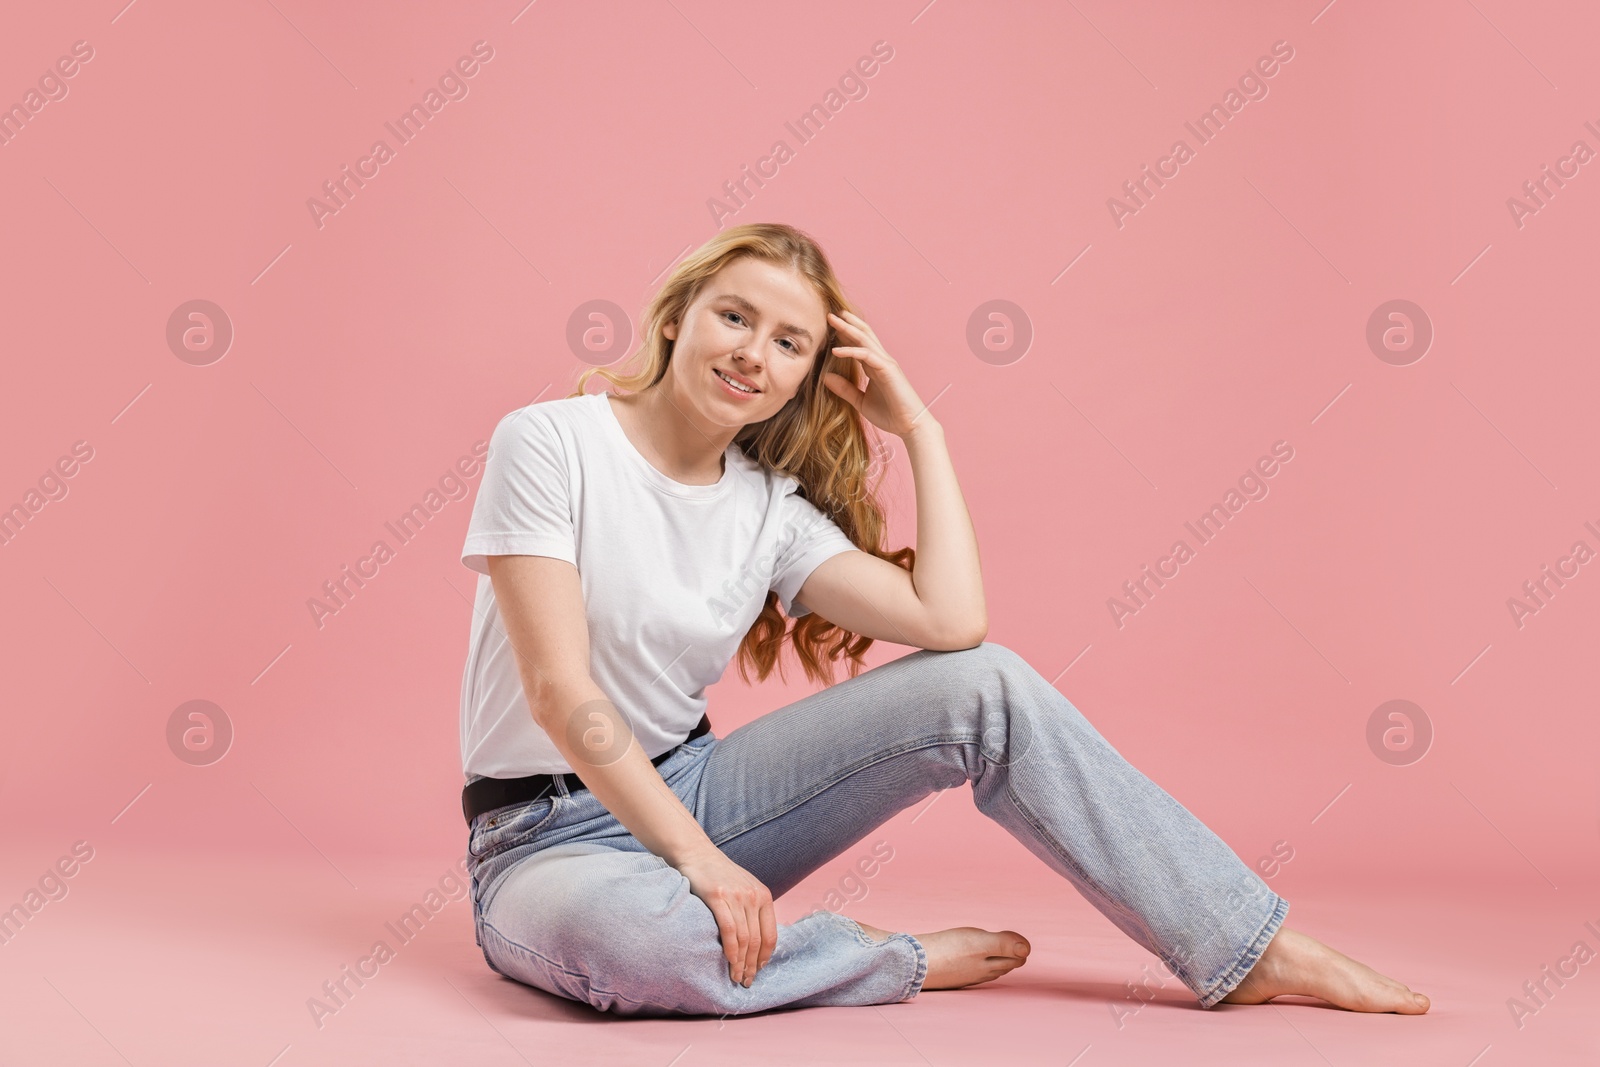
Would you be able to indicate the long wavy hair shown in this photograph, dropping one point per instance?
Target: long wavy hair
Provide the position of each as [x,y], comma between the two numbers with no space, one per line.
[817,437]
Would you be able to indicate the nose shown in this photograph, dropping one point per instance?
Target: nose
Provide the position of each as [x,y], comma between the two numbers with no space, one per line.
[744,355]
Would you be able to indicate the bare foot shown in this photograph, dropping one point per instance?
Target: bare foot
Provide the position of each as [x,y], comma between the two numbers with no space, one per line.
[1294,963]
[965,955]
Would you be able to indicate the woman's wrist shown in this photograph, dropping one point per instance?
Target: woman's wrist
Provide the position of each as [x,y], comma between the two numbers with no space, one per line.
[924,428]
[679,852]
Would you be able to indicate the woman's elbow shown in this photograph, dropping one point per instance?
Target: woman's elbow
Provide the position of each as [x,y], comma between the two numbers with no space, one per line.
[968,635]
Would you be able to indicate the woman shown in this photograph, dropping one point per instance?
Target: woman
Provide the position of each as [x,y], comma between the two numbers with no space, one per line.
[633,543]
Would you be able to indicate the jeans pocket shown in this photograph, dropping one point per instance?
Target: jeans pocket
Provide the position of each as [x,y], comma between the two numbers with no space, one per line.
[515,824]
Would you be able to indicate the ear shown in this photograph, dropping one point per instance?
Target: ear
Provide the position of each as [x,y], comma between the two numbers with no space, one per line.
[670,330]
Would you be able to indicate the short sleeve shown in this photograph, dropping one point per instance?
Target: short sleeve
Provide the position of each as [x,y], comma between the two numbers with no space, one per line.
[809,537]
[523,507]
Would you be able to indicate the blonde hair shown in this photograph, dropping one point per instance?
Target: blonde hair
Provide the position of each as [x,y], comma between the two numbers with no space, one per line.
[817,437]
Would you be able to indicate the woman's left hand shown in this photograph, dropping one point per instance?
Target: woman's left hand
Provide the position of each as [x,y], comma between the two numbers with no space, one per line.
[888,401]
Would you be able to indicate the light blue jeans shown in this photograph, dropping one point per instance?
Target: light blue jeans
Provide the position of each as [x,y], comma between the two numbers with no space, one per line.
[567,900]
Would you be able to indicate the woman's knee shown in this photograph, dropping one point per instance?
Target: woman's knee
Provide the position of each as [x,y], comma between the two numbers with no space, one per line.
[1001,659]
[984,668]
[1011,701]
[987,656]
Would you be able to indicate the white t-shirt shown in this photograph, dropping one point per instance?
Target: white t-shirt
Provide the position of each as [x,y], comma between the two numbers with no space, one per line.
[673,575]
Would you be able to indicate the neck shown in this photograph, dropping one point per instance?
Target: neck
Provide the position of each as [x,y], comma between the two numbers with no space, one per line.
[674,435]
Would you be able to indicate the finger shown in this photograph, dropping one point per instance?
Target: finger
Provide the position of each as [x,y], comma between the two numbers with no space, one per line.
[844,388]
[742,950]
[853,330]
[769,932]
[753,955]
[872,355]
[860,324]
[727,930]
[870,358]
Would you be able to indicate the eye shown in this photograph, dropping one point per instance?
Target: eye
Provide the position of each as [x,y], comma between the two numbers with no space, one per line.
[794,349]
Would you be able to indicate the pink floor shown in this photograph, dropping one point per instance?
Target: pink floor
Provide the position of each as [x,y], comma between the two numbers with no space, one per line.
[209,960]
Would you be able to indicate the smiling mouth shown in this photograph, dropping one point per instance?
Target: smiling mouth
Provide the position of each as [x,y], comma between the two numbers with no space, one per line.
[737,385]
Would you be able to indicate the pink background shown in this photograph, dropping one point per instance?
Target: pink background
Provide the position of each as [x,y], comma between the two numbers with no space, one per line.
[372,352]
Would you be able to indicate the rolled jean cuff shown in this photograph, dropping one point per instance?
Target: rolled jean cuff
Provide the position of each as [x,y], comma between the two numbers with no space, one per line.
[919,973]
[915,985]
[1248,959]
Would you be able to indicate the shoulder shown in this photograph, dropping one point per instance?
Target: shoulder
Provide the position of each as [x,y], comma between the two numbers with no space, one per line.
[786,498]
[567,410]
[549,419]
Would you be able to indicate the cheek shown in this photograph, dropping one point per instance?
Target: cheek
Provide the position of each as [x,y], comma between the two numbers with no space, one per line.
[801,373]
[791,386]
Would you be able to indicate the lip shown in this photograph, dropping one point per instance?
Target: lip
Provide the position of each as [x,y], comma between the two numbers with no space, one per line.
[741,379]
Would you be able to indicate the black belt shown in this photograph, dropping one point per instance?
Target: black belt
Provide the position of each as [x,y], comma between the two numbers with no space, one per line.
[486,794]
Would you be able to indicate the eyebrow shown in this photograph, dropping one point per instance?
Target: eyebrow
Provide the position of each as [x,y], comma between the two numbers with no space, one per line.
[744,305]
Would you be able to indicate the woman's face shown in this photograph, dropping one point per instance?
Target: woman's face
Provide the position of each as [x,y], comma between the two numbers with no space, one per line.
[760,325]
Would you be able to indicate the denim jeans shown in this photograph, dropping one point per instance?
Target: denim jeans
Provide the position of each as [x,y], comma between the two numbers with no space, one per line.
[567,900]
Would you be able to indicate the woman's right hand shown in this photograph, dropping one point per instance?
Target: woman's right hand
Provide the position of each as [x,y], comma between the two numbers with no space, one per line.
[742,906]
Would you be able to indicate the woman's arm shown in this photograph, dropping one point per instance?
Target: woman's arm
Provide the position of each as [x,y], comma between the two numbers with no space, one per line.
[940,603]
[946,572]
[541,605]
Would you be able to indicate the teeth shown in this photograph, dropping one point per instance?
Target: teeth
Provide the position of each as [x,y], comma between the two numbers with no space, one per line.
[730,381]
